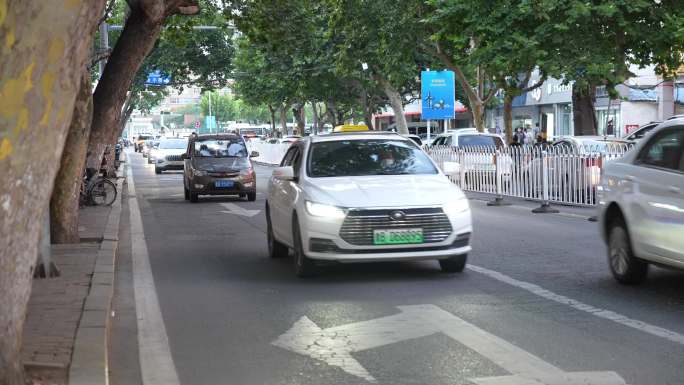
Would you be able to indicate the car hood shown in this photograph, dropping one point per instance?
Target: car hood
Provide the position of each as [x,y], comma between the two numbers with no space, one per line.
[382,191]
[220,164]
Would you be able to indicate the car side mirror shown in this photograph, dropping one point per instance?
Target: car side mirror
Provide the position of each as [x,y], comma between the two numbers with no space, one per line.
[254,154]
[284,173]
[451,168]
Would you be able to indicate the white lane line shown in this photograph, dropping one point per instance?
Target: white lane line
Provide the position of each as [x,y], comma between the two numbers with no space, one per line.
[156,362]
[595,311]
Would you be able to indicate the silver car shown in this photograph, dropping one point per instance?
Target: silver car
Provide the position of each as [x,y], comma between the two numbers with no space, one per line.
[641,203]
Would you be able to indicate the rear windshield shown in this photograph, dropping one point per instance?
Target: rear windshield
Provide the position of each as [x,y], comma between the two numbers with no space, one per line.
[173,143]
[144,137]
[479,141]
[220,148]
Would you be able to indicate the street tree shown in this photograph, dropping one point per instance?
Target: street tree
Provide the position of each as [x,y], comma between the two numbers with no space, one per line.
[383,38]
[44,50]
[141,30]
[187,55]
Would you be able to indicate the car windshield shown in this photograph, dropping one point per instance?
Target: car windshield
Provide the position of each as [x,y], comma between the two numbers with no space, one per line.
[641,132]
[221,148]
[479,141]
[173,144]
[367,157]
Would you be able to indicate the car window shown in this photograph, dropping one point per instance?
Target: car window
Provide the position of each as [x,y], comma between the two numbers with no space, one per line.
[289,155]
[297,160]
[448,140]
[367,157]
[479,141]
[640,133]
[439,141]
[664,150]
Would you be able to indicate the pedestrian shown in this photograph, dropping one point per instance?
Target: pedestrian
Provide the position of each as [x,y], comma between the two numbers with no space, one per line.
[515,141]
[520,136]
[529,137]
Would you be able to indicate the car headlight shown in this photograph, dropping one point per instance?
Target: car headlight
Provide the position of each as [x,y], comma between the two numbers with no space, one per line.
[456,206]
[321,210]
[199,173]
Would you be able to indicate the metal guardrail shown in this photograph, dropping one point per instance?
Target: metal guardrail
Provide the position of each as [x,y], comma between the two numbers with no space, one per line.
[567,175]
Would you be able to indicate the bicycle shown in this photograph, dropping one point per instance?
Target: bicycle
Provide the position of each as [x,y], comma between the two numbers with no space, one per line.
[97,190]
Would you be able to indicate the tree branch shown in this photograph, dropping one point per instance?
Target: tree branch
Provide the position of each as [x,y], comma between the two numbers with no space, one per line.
[108,10]
[535,85]
[438,53]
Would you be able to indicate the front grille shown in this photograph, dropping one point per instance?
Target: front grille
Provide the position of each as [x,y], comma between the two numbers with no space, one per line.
[228,174]
[358,226]
[174,158]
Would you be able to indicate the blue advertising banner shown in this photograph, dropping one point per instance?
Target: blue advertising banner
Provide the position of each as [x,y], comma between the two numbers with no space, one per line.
[210,125]
[156,78]
[437,94]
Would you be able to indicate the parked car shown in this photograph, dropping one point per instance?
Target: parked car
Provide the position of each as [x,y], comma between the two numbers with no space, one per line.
[218,164]
[640,132]
[641,205]
[415,138]
[477,156]
[167,155]
[365,196]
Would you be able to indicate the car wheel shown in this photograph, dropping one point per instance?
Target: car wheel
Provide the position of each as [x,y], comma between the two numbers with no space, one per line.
[455,264]
[304,266]
[186,193]
[157,170]
[251,197]
[275,248]
[194,197]
[626,268]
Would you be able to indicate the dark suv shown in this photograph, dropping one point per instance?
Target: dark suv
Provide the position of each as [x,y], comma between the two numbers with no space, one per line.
[218,164]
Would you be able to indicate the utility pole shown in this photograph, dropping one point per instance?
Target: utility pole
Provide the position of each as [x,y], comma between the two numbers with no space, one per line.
[104,45]
[211,123]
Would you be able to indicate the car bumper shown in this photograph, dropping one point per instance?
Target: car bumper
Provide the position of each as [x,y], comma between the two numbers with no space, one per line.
[315,229]
[206,185]
[168,165]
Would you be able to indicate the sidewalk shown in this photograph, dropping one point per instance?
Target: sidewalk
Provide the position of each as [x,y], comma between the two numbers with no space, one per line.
[60,309]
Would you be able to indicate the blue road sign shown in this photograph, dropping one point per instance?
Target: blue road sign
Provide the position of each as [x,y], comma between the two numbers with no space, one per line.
[437,93]
[157,78]
[210,124]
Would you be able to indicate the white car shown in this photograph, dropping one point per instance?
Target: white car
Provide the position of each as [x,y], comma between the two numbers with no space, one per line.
[641,202]
[365,196]
[168,154]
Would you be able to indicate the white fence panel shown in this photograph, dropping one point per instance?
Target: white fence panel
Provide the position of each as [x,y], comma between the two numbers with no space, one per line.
[567,175]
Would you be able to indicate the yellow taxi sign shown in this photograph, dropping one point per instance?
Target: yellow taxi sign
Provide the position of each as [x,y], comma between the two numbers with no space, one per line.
[350,128]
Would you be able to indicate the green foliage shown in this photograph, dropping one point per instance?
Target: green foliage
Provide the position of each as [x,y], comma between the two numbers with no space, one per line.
[226,108]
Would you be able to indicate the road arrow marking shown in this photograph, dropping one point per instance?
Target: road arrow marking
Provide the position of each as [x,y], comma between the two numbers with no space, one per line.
[335,345]
[237,210]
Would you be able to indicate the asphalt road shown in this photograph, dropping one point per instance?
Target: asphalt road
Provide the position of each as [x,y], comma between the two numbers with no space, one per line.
[538,302]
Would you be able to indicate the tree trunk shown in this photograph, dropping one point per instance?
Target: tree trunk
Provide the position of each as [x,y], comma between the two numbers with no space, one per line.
[273,118]
[137,39]
[331,111]
[298,112]
[43,53]
[65,196]
[314,108]
[283,121]
[478,115]
[45,268]
[508,116]
[583,114]
[397,105]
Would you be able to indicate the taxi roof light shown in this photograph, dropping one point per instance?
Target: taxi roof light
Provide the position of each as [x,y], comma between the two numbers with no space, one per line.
[351,128]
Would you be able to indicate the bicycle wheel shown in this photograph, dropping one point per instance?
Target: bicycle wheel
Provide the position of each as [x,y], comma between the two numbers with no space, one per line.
[103,192]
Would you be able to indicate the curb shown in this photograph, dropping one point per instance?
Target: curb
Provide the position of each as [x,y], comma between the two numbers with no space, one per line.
[89,361]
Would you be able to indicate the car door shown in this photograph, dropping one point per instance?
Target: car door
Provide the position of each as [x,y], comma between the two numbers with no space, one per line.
[656,219]
[280,199]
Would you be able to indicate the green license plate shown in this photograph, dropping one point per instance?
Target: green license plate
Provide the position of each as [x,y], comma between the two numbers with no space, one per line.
[397,237]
